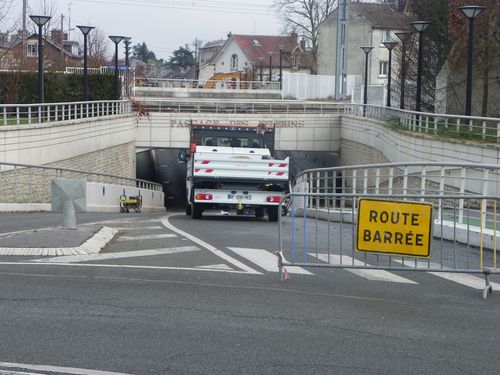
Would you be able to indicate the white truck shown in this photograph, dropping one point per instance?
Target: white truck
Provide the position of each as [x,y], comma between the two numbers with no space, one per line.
[231,168]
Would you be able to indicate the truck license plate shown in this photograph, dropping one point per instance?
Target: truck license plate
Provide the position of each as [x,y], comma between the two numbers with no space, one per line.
[240,197]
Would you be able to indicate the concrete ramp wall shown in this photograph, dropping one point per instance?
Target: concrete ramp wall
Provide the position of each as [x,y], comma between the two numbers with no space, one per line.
[99,197]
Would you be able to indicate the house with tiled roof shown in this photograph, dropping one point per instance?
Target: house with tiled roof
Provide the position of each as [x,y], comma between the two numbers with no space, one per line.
[249,55]
[59,52]
[368,24]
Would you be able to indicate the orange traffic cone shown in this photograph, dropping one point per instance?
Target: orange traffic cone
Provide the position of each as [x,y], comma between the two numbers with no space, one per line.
[285,274]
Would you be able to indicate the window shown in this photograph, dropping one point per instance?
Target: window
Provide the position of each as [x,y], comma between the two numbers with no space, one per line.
[382,68]
[32,50]
[385,36]
[234,62]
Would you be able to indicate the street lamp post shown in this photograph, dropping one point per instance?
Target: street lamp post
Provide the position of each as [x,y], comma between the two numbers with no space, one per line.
[40,21]
[270,53]
[403,37]
[390,46]
[261,62]
[85,31]
[126,40]
[366,50]
[281,47]
[420,27]
[116,40]
[246,76]
[471,12]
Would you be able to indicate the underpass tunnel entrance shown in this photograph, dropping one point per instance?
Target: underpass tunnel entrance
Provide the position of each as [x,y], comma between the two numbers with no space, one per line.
[162,166]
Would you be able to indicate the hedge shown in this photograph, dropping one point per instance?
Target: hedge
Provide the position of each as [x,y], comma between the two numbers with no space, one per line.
[21,87]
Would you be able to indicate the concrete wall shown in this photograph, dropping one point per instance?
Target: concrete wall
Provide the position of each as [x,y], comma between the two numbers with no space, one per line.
[315,132]
[46,144]
[100,197]
[106,198]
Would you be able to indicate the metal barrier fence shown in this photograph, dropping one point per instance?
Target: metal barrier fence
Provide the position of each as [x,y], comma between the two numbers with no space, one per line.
[21,114]
[23,183]
[219,84]
[466,127]
[321,230]
[241,106]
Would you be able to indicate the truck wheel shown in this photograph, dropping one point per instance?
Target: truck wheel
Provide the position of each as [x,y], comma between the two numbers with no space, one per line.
[259,212]
[272,213]
[196,211]
[188,209]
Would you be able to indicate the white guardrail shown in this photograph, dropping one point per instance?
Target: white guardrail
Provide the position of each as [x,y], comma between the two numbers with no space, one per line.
[22,114]
[474,128]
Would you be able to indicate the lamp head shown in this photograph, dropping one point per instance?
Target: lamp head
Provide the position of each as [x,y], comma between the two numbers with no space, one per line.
[403,36]
[126,39]
[420,26]
[116,38]
[85,29]
[260,58]
[390,44]
[270,53]
[471,11]
[366,49]
[281,47]
[40,20]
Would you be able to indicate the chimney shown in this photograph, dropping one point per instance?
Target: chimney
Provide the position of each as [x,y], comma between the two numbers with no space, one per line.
[56,36]
[294,35]
[303,44]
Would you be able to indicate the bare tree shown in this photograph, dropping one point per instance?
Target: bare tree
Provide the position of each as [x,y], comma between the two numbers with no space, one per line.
[486,55]
[98,48]
[304,18]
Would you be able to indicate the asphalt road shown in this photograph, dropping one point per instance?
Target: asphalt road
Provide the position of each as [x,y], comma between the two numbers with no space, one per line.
[206,308]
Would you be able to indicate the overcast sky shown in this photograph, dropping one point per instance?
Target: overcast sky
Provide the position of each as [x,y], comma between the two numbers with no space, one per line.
[164,24]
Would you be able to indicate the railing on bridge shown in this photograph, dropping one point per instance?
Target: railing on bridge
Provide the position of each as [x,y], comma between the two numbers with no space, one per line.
[321,230]
[21,114]
[242,106]
[23,183]
[454,126]
[219,84]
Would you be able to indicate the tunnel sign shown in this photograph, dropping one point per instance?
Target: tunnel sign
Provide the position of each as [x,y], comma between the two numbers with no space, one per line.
[394,227]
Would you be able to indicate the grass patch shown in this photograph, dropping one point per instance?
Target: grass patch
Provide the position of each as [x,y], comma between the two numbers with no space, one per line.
[443,130]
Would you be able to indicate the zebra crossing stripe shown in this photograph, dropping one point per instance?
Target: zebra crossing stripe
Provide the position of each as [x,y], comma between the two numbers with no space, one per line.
[265,260]
[147,237]
[374,275]
[117,255]
[459,278]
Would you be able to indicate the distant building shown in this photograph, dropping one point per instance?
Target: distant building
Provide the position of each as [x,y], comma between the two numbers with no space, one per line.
[242,54]
[59,52]
[369,24]
[208,50]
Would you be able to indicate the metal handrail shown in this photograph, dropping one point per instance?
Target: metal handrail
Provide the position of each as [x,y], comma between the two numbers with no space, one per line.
[37,113]
[137,182]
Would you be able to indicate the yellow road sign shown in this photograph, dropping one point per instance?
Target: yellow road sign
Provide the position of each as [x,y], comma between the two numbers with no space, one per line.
[394,227]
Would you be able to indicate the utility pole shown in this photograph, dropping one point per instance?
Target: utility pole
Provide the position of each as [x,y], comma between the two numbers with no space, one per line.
[23,55]
[62,38]
[69,21]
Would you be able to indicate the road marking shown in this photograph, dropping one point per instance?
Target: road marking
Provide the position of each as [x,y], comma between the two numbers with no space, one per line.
[456,277]
[265,260]
[221,266]
[117,255]
[104,265]
[57,369]
[374,275]
[139,228]
[165,221]
[146,237]
[92,245]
